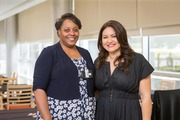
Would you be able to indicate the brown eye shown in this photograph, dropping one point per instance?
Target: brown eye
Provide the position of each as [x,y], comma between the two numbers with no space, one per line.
[114,36]
[76,30]
[66,30]
[104,37]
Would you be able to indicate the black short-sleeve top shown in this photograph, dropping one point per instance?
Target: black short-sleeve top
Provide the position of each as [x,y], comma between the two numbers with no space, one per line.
[139,69]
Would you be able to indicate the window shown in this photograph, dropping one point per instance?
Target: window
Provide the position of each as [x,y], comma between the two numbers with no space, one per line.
[28,54]
[164,54]
[91,45]
[3,59]
[136,43]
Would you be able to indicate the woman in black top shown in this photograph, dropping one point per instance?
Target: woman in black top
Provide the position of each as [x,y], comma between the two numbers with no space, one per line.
[121,75]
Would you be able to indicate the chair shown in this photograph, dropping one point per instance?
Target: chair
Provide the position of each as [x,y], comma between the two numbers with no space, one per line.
[167,84]
[9,80]
[1,102]
[14,76]
[166,105]
[19,96]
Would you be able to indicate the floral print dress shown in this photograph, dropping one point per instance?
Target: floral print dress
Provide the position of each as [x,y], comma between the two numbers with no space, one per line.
[77,109]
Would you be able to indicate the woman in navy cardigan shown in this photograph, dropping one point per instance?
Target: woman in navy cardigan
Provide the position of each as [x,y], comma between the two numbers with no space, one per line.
[63,77]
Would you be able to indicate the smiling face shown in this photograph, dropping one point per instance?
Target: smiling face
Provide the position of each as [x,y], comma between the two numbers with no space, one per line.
[68,33]
[109,41]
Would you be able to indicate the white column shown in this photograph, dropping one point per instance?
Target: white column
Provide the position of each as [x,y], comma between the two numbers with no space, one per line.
[59,8]
[11,45]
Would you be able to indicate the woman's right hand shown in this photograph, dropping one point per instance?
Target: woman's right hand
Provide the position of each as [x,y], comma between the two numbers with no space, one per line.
[42,104]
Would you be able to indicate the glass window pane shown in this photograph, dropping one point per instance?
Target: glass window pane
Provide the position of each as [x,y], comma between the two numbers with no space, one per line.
[3,59]
[28,54]
[165,52]
[136,43]
[91,46]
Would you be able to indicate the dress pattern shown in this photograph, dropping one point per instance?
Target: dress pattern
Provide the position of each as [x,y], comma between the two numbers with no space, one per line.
[77,109]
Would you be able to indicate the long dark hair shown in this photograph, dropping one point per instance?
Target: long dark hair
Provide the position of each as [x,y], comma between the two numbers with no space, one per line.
[127,52]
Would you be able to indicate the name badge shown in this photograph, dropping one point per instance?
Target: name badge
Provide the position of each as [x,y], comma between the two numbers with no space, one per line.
[87,73]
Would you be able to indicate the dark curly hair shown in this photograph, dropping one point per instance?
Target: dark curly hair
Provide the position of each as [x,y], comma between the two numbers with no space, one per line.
[69,16]
[127,53]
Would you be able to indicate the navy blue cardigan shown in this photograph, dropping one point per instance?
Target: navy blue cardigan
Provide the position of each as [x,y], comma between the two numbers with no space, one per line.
[56,73]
